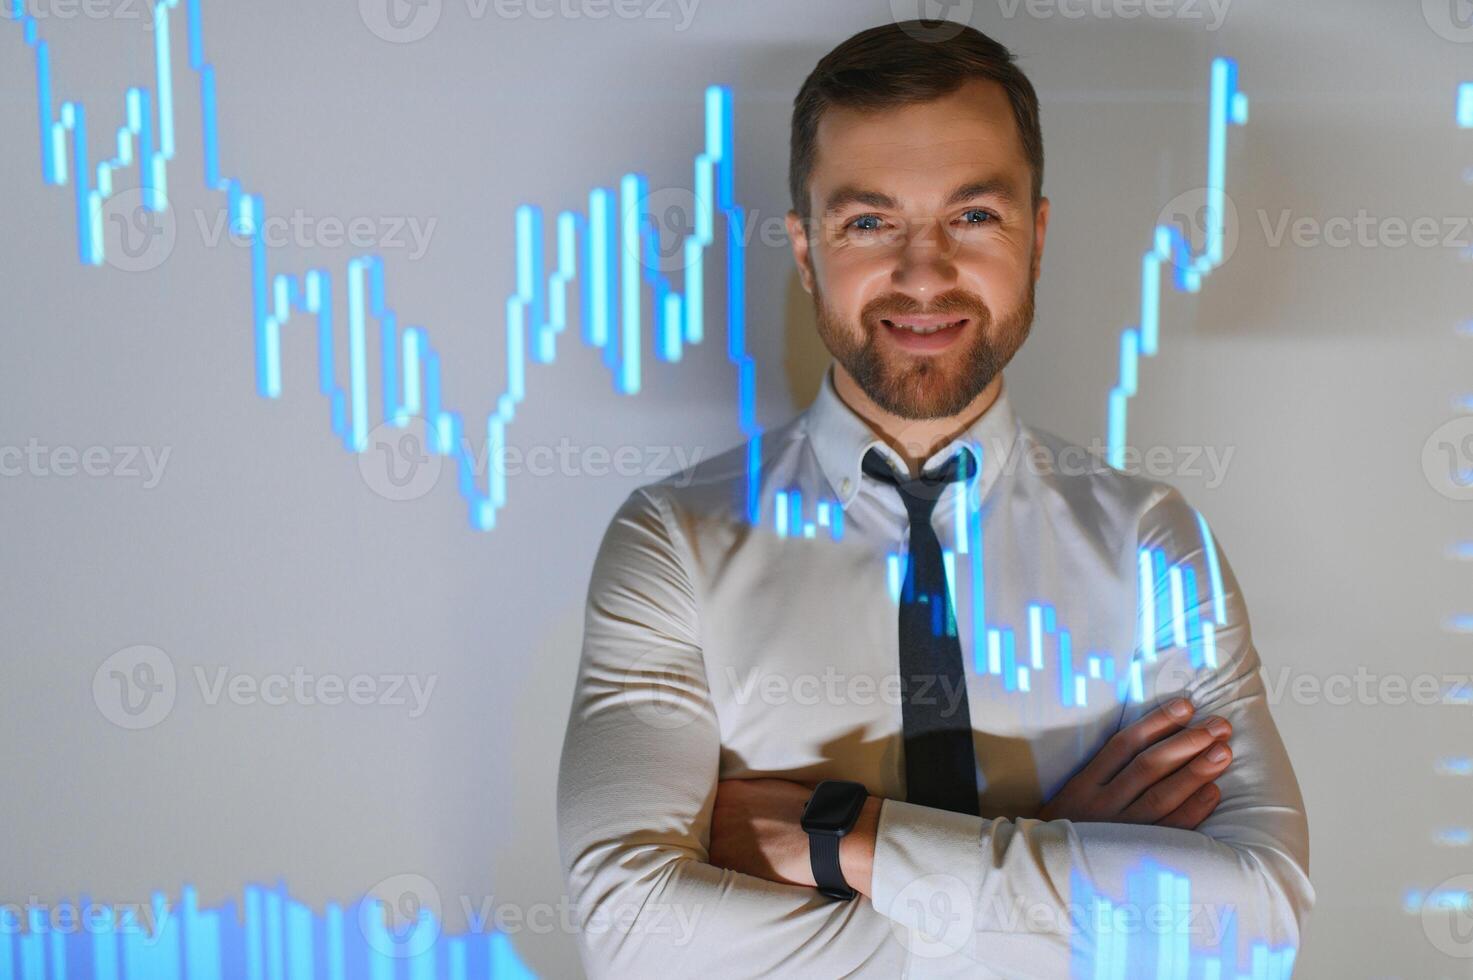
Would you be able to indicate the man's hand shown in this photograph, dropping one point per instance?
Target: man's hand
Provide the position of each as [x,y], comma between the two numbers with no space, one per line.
[1154,771]
[757,829]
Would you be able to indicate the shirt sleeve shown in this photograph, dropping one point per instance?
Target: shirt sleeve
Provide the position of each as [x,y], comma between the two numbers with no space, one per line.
[1033,898]
[636,785]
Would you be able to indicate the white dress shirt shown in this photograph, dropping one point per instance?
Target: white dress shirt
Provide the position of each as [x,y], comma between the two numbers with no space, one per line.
[717,647]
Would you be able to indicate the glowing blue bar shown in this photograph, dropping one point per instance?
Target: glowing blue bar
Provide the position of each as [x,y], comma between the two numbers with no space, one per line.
[1178,608]
[413,344]
[1035,635]
[1216,162]
[781,516]
[1150,304]
[298,941]
[1147,605]
[1214,570]
[207,123]
[631,190]
[164,79]
[1194,622]
[1115,428]
[1023,683]
[458,965]
[1129,360]
[1164,947]
[1009,661]
[1459,623]
[1066,670]
[275,947]
[1162,591]
[994,652]
[1209,643]
[79,169]
[104,950]
[357,356]
[254,963]
[599,262]
[695,291]
[49,154]
[892,573]
[672,331]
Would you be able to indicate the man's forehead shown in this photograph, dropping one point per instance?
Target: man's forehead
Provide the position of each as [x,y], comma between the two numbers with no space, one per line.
[972,129]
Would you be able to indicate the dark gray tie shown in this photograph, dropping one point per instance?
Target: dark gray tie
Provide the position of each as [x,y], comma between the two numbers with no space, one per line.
[940,763]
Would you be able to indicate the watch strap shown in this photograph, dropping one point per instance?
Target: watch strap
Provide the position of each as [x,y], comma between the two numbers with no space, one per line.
[823,856]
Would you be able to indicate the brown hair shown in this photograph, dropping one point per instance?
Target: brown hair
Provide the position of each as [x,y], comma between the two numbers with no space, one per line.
[896,64]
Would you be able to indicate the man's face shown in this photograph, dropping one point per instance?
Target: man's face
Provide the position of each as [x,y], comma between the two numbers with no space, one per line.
[922,218]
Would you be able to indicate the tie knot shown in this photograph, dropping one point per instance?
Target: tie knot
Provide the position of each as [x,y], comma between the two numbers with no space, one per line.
[920,493]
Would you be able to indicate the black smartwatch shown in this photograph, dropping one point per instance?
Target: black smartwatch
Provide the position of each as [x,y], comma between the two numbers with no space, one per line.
[831,813]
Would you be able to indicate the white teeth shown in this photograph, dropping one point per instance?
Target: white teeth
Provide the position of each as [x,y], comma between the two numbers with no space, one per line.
[922,330]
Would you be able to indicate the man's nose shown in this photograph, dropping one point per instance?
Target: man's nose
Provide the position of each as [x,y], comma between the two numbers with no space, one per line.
[925,262]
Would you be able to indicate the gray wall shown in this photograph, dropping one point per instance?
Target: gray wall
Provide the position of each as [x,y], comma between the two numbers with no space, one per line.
[1324,370]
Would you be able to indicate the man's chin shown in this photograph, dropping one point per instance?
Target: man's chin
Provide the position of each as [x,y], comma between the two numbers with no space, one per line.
[928,394]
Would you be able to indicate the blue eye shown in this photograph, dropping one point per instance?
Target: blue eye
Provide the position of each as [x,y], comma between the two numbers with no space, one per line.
[859,223]
[977,216]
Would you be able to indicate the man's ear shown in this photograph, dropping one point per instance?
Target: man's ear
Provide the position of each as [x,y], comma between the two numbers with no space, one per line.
[1040,230]
[802,255]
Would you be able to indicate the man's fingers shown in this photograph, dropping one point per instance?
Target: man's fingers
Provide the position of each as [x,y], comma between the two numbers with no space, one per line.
[1161,798]
[1165,757]
[1125,744]
[1197,808]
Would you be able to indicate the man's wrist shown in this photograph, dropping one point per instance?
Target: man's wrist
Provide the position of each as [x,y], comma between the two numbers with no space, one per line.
[857,848]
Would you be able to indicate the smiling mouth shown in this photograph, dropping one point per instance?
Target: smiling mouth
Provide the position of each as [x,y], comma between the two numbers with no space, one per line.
[923,326]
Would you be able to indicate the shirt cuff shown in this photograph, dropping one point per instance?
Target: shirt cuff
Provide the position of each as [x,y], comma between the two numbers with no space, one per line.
[921,854]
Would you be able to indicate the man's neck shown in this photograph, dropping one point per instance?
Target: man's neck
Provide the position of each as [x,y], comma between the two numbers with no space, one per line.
[914,439]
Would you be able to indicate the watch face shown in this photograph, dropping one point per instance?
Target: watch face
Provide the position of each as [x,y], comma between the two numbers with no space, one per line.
[834,806]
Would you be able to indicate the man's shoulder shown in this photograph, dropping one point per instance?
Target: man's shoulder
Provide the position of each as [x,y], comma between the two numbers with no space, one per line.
[1126,497]
[727,480]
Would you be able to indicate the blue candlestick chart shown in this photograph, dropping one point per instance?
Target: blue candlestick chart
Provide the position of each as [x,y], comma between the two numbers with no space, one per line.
[1423,900]
[609,252]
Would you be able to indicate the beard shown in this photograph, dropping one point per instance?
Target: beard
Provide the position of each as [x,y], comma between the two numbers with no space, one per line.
[925,386]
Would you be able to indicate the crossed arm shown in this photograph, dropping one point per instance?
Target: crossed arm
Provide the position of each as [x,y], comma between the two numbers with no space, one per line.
[675,873]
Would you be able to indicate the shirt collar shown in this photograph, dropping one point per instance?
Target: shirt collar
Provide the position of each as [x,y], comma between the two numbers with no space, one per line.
[840,438]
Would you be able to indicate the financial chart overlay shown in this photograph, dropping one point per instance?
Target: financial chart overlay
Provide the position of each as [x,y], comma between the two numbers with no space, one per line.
[592,272]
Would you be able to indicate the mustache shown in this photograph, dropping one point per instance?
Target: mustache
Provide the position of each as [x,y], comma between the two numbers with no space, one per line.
[954,303]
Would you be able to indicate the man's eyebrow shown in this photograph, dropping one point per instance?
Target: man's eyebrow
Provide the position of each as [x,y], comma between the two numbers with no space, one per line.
[844,196]
[849,194]
[994,187]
